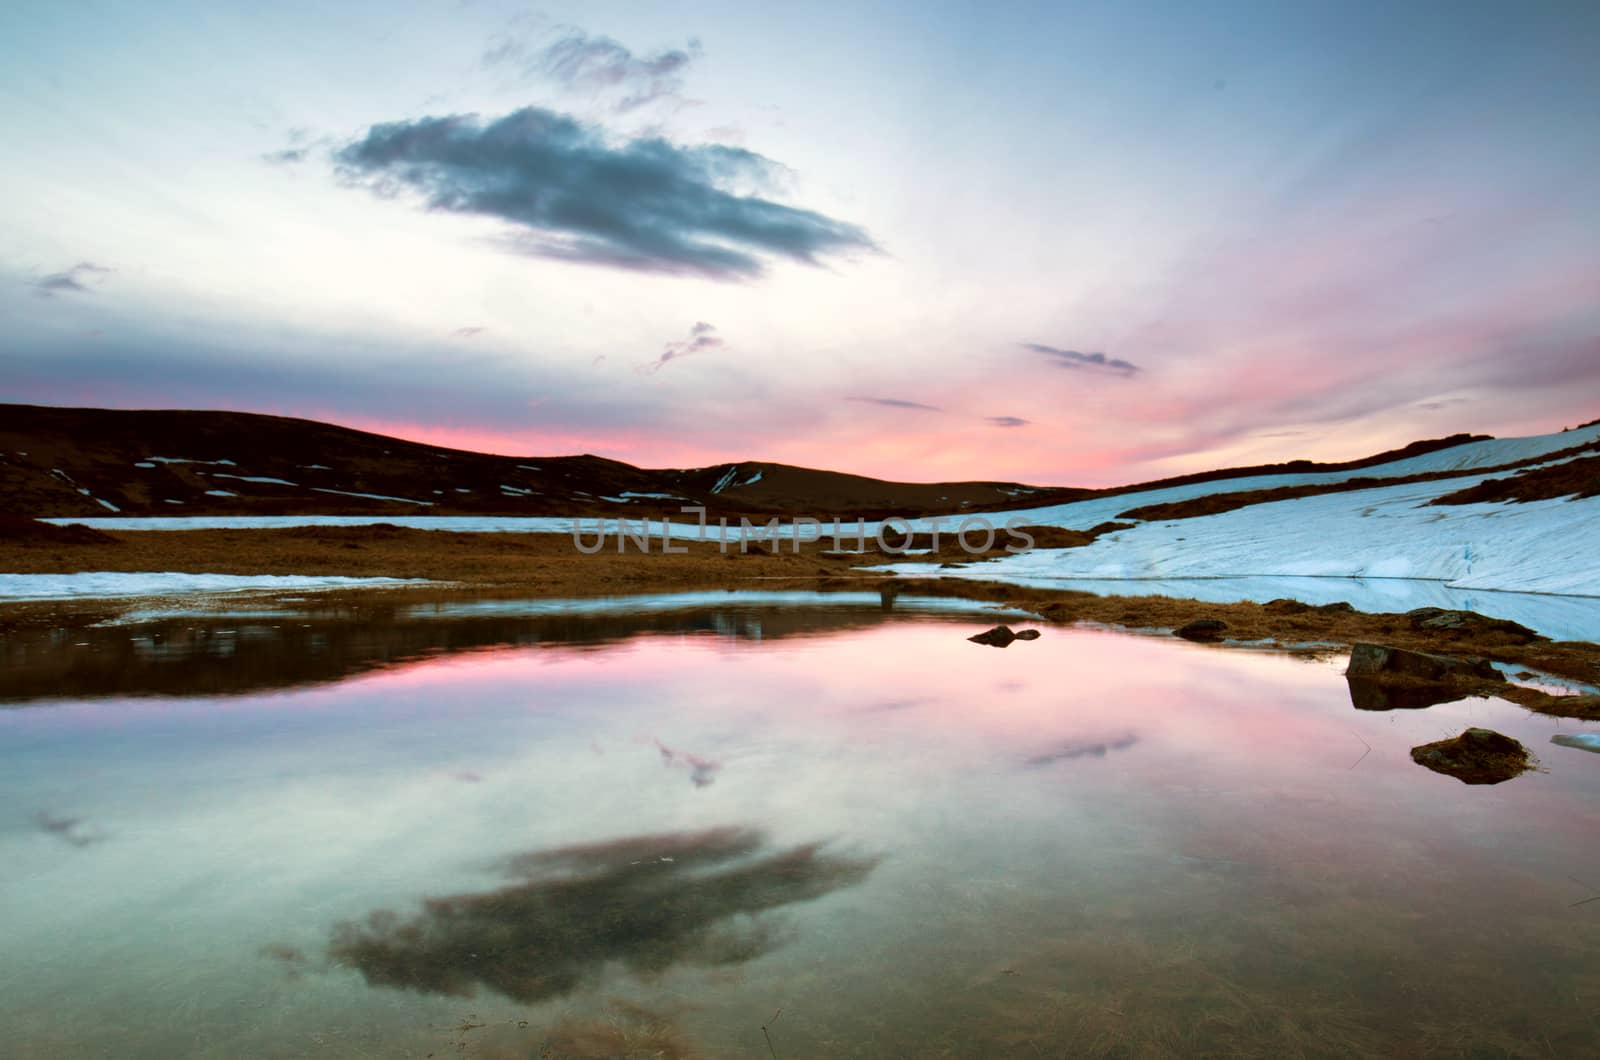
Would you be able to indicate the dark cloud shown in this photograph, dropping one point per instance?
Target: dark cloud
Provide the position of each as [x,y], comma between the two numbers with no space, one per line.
[1007,421]
[468,332]
[569,194]
[897,403]
[1092,361]
[647,903]
[599,64]
[702,337]
[70,281]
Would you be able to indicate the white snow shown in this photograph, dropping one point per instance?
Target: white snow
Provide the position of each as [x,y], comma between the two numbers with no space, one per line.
[144,463]
[187,460]
[169,500]
[220,493]
[529,467]
[374,496]
[725,480]
[631,495]
[117,584]
[105,504]
[254,478]
[315,467]
[753,479]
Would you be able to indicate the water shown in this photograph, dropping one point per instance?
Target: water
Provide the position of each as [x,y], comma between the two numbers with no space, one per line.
[791,827]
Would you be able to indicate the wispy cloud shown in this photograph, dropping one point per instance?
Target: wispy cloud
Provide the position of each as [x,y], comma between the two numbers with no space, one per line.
[1006,421]
[289,156]
[468,332]
[598,64]
[897,403]
[572,195]
[1091,361]
[75,280]
[702,337]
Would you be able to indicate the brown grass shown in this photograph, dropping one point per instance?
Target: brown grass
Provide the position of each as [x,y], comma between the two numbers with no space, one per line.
[1575,478]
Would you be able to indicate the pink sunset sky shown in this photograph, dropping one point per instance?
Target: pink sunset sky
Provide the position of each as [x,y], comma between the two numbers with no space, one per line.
[1074,244]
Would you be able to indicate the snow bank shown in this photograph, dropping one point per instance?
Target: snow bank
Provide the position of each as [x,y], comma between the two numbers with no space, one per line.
[117,584]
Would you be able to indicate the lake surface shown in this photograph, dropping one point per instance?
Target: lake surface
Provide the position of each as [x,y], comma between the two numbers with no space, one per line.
[794,827]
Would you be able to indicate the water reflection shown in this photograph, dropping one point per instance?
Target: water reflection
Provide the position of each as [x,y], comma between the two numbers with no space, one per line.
[258,651]
[1071,749]
[1107,845]
[646,903]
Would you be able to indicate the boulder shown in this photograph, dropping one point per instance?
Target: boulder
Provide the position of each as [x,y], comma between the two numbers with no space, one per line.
[1477,756]
[1001,636]
[1441,620]
[1375,662]
[1203,629]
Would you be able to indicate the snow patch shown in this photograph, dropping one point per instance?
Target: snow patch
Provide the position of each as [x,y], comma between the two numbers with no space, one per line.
[374,496]
[220,493]
[188,460]
[255,478]
[116,584]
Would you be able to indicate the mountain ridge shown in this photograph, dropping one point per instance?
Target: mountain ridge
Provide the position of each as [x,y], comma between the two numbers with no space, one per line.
[60,462]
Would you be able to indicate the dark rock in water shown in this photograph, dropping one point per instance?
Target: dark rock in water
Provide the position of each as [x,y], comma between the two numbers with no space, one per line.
[1369,694]
[1376,662]
[1000,636]
[1441,620]
[1583,741]
[1383,678]
[1477,756]
[1203,629]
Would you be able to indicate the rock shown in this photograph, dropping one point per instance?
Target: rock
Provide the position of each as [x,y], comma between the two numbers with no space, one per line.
[1369,694]
[1203,629]
[1282,606]
[1439,619]
[1376,662]
[1477,756]
[1338,607]
[1001,636]
[1583,741]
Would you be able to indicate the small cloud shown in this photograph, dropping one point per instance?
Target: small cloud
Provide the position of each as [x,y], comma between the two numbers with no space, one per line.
[467,333]
[67,829]
[1006,421]
[702,337]
[702,771]
[289,156]
[896,403]
[71,281]
[1091,361]
[597,64]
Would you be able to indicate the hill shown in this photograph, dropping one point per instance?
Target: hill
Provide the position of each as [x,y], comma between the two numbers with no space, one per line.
[65,462]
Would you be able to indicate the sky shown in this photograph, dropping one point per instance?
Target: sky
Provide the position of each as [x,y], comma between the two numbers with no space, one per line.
[1065,243]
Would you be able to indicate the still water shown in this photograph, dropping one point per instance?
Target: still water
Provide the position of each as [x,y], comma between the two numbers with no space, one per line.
[807,827]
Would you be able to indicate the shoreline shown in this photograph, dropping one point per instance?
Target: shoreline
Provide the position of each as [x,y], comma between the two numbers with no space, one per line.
[477,566]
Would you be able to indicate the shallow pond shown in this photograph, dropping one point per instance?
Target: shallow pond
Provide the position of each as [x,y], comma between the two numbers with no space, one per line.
[792,827]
